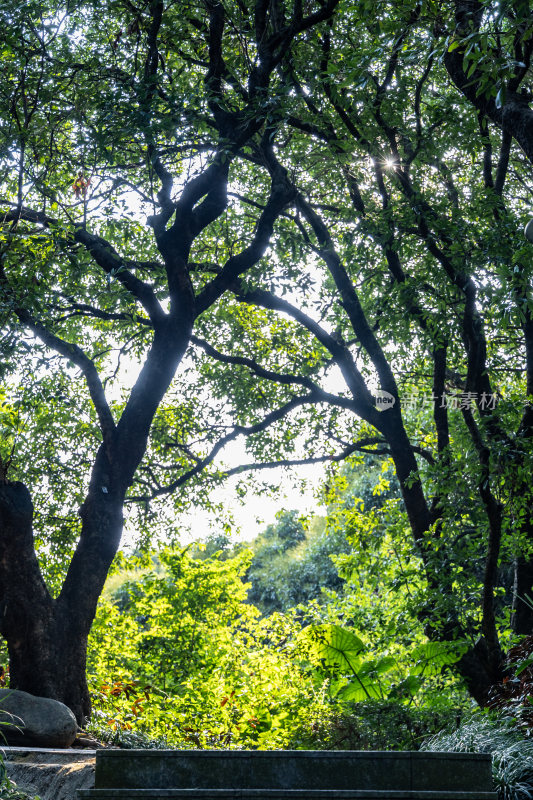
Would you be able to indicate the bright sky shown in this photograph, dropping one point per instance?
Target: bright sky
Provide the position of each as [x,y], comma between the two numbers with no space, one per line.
[259,510]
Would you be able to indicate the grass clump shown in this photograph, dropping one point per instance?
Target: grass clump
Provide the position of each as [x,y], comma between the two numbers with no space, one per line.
[10,791]
[498,735]
[119,736]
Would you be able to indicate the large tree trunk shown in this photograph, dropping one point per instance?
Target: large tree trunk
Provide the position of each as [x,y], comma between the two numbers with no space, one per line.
[480,671]
[483,664]
[47,659]
[46,636]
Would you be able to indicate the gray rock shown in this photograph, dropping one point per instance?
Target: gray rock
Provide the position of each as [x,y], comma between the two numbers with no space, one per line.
[38,721]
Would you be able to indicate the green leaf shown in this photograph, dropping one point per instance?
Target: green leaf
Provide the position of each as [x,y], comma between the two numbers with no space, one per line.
[334,646]
[431,657]
[358,690]
[406,688]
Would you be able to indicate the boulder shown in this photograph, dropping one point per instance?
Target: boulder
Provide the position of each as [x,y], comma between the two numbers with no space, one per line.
[35,721]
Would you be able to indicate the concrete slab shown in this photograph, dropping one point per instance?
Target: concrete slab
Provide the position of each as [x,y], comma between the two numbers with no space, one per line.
[293,769]
[276,794]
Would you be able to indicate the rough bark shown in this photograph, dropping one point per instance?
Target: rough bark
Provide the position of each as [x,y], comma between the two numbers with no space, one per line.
[479,671]
[49,659]
[47,637]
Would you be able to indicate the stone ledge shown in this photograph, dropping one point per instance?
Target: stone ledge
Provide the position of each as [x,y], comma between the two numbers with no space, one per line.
[298,769]
[50,755]
[276,794]
[376,755]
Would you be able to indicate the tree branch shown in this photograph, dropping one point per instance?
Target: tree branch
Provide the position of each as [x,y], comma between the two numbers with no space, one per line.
[75,353]
[276,377]
[238,430]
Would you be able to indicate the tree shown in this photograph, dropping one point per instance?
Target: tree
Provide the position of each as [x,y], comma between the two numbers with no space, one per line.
[292,566]
[289,530]
[109,110]
[395,263]
[488,57]
[417,283]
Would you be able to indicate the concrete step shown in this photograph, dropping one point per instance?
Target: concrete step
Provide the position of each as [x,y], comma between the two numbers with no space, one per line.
[266,770]
[50,774]
[276,794]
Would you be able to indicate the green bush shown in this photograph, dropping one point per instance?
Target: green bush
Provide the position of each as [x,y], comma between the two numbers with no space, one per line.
[374,725]
[180,656]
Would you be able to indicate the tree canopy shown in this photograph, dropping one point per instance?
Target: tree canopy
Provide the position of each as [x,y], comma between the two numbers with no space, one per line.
[297,222]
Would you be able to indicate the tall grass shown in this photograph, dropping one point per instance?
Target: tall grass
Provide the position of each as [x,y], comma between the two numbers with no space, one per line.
[512,752]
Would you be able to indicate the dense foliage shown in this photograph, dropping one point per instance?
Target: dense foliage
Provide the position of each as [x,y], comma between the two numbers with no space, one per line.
[179,653]
[288,571]
[296,224]
[185,654]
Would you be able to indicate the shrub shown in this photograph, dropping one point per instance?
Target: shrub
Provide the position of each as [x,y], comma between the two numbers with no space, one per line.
[513,695]
[374,725]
